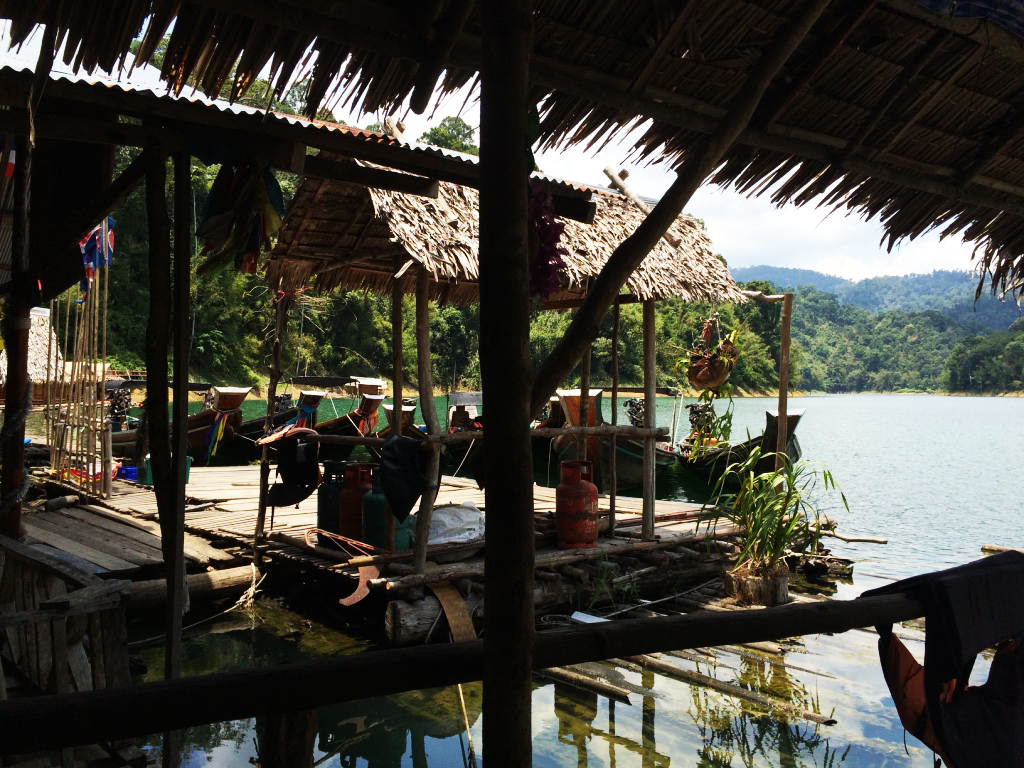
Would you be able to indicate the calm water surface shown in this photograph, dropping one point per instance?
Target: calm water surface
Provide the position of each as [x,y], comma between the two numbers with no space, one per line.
[934,475]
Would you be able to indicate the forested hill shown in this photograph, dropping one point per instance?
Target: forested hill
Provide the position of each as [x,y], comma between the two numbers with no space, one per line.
[947,292]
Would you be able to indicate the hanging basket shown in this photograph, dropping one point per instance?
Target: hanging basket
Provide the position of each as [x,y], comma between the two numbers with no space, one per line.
[711,371]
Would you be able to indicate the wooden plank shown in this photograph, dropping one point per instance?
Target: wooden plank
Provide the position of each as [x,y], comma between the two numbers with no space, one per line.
[111,563]
[96,640]
[146,542]
[37,559]
[115,648]
[78,665]
[74,561]
[127,551]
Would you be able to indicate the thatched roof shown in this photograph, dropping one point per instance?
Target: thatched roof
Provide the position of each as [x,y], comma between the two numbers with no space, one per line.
[888,108]
[356,237]
[39,338]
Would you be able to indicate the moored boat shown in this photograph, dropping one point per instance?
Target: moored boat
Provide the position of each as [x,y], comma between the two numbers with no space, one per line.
[710,462]
[207,429]
[357,423]
[629,452]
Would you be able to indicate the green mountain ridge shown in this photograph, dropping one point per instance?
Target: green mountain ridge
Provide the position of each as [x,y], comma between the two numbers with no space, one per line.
[945,291]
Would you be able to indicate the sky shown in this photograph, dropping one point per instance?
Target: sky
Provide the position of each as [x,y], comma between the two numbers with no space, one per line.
[746,231]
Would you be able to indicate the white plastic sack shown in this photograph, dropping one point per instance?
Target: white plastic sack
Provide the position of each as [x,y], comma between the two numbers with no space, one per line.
[456,524]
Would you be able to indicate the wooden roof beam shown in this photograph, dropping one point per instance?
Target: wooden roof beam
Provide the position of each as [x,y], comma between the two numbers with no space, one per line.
[911,120]
[1008,135]
[689,114]
[376,178]
[779,99]
[668,40]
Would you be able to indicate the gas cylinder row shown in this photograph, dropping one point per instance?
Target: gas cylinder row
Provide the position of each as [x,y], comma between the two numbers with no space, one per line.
[351,503]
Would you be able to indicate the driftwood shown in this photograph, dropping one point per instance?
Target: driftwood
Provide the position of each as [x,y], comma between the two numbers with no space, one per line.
[990,548]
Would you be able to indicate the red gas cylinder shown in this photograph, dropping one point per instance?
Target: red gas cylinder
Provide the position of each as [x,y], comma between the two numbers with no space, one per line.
[576,506]
[358,480]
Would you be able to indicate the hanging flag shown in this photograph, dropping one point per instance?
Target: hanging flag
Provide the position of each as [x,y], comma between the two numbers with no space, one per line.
[94,254]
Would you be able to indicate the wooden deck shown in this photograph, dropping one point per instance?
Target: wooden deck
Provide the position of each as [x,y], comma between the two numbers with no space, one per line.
[122,536]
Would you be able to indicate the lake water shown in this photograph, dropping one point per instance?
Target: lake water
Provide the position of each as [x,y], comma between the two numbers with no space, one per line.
[935,475]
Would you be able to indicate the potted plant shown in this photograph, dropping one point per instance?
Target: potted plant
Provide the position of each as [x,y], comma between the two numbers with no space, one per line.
[777,513]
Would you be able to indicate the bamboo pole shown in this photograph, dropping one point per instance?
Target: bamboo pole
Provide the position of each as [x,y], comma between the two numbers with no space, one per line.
[783,437]
[613,490]
[701,161]
[281,314]
[398,383]
[581,445]
[650,416]
[426,387]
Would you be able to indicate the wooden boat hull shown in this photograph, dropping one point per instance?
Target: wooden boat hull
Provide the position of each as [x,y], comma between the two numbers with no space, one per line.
[629,460]
[360,422]
[242,447]
[710,465]
[199,425]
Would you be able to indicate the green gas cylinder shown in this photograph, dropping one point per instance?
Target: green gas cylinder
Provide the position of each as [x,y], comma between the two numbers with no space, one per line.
[328,496]
[375,515]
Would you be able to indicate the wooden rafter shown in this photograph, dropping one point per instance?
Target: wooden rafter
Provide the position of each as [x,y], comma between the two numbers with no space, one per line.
[909,121]
[676,30]
[378,178]
[1008,135]
[777,101]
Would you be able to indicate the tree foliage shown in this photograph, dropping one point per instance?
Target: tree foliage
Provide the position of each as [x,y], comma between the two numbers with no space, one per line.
[452,133]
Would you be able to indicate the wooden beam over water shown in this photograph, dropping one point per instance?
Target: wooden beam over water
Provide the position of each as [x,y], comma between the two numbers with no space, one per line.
[83,718]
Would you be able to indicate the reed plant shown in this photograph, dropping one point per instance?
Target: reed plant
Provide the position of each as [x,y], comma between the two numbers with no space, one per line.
[777,510]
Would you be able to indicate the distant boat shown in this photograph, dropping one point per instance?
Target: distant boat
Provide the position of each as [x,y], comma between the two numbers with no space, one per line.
[208,429]
[710,463]
[243,447]
[629,451]
[357,423]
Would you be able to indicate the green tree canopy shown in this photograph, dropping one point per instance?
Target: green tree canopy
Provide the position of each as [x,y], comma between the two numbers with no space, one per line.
[452,133]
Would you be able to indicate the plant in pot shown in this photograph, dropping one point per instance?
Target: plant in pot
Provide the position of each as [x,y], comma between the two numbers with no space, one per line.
[778,515]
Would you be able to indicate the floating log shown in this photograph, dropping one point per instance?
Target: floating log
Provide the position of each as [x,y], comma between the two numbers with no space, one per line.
[586,683]
[213,585]
[992,548]
[687,676]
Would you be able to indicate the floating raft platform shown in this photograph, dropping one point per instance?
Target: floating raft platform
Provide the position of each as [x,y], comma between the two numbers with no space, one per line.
[121,537]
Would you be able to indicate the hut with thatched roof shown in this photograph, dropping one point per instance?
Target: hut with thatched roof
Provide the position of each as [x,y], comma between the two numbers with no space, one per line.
[42,342]
[342,234]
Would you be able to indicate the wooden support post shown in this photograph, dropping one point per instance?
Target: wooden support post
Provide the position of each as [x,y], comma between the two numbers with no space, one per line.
[582,442]
[650,417]
[398,380]
[17,323]
[506,373]
[288,739]
[281,313]
[426,387]
[164,475]
[612,459]
[783,436]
